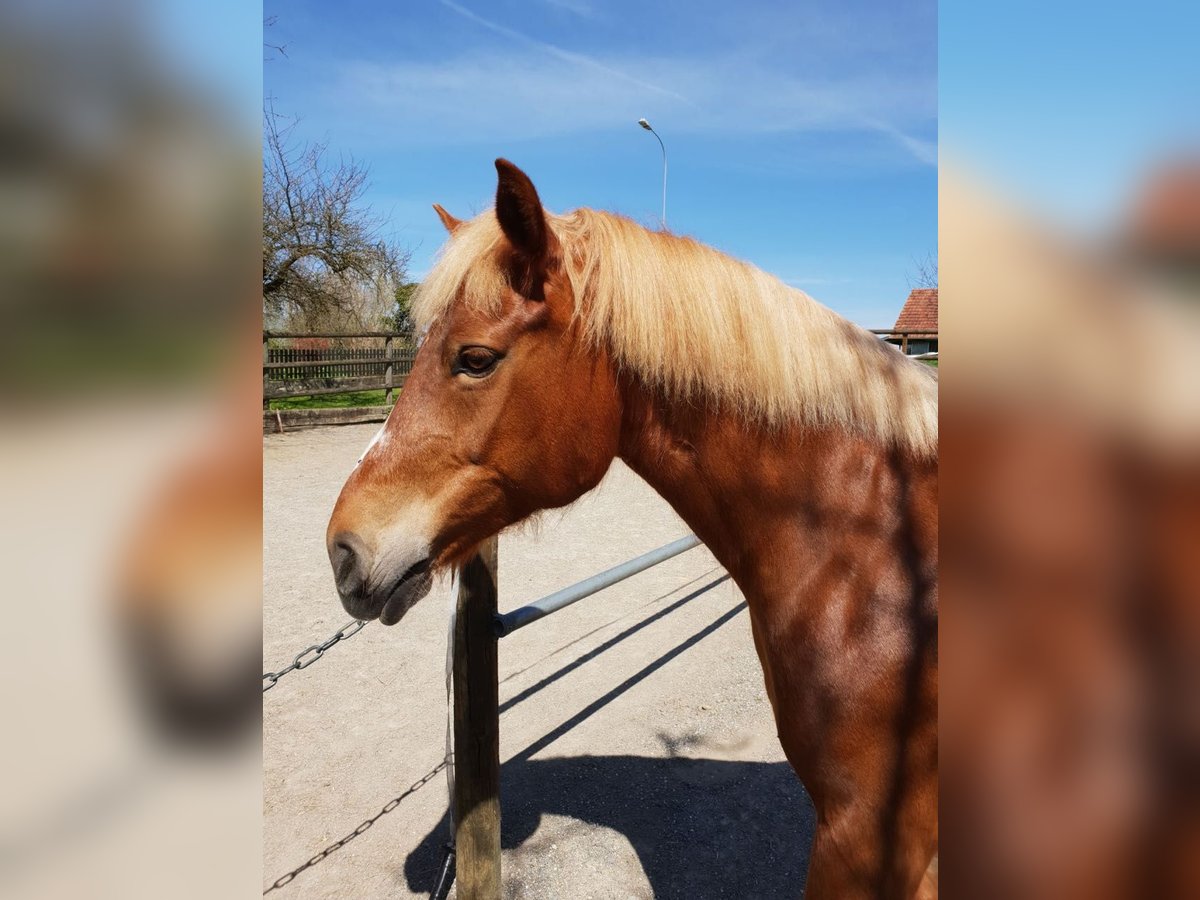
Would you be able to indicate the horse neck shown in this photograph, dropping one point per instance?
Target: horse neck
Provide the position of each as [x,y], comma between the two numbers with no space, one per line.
[766,502]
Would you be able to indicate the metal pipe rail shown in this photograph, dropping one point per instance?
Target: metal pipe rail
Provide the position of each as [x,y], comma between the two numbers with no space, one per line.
[506,623]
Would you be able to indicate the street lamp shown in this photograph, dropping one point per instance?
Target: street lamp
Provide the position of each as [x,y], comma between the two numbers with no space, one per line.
[646,125]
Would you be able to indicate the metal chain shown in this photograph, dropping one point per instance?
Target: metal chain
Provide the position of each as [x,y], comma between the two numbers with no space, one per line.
[288,878]
[310,655]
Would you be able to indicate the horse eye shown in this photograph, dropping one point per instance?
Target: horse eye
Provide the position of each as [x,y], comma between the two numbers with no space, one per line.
[475,361]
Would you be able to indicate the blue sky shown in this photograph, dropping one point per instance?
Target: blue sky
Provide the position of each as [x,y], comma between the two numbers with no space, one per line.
[801,136]
[1065,106]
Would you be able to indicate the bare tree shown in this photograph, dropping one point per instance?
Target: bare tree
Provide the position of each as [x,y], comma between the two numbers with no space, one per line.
[925,274]
[321,244]
[280,49]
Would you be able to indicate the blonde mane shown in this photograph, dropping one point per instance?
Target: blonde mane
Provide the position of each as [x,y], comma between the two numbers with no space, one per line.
[706,327]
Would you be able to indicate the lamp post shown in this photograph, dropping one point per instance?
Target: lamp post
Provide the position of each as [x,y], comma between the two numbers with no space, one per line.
[646,125]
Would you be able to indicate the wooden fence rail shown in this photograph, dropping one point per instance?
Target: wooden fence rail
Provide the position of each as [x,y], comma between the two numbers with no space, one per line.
[335,363]
[339,364]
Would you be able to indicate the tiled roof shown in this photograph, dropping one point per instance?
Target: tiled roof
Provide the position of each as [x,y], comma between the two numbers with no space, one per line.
[920,311]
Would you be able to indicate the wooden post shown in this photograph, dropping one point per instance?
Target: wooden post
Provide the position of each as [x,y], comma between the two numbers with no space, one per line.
[387,377]
[266,374]
[904,342]
[477,731]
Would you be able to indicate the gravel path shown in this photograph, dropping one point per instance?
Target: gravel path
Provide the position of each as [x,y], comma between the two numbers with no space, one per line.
[639,755]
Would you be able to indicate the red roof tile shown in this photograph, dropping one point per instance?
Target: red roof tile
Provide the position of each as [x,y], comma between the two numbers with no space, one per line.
[920,312]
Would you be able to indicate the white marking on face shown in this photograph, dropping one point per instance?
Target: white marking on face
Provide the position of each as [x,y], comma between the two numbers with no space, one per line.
[381,436]
[378,439]
[403,542]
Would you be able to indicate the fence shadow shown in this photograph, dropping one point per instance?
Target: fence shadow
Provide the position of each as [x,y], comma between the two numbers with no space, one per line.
[700,827]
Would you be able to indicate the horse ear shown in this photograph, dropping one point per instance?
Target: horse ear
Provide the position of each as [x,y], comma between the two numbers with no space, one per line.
[452,224]
[520,212]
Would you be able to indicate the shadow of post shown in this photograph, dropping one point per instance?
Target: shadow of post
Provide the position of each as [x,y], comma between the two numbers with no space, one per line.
[699,827]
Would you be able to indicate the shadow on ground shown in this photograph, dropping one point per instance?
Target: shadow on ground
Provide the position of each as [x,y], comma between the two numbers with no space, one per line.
[700,827]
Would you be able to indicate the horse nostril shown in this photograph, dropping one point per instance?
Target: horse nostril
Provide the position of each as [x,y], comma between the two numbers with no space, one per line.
[348,554]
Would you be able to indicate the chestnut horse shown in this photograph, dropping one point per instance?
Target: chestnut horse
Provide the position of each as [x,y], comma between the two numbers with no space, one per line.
[800,449]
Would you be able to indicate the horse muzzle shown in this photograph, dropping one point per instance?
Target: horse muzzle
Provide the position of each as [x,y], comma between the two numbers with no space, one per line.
[383,589]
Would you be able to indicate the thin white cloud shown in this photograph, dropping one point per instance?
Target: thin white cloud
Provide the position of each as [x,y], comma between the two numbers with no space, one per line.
[519,96]
[579,7]
[555,50]
[922,151]
[508,92]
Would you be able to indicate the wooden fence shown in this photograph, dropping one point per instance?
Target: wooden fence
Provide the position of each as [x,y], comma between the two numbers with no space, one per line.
[314,364]
[310,364]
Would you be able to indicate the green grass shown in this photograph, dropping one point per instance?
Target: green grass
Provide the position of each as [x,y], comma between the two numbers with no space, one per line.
[334,401]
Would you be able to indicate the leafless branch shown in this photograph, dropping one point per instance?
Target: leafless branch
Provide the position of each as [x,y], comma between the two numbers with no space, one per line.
[322,252]
[925,273]
[280,49]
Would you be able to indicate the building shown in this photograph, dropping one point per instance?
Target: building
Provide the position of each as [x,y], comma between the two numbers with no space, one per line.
[1161,234]
[920,315]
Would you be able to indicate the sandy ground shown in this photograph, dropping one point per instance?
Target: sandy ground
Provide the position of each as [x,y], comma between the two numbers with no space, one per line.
[639,754]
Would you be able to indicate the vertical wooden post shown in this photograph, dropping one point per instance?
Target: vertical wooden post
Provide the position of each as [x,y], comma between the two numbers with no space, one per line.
[904,343]
[266,373]
[477,730]
[387,377]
